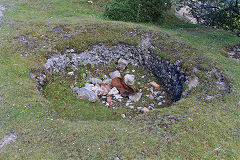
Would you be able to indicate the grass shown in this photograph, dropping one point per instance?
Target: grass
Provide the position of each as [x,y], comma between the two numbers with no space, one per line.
[206,129]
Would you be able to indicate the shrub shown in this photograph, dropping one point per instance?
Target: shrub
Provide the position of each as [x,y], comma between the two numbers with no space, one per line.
[137,10]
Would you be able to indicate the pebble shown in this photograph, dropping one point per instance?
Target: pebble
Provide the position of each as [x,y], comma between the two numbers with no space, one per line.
[139,108]
[136,97]
[209,97]
[70,50]
[239,102]
[122,64]
[131,107]
[145,110]
[160,103]
[116,158]
[114,74]
[155,85]
[156,93]
[129,79]
[71,73]
[127,104]
[150,108]
[123,115]
[118,96]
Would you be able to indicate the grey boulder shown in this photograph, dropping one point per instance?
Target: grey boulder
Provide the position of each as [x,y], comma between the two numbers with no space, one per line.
[85,93]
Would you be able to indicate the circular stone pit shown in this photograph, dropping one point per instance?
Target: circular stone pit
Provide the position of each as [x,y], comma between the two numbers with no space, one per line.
[169,75]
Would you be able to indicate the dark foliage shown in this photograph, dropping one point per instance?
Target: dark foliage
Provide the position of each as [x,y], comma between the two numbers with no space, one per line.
[225,13]
[137,10]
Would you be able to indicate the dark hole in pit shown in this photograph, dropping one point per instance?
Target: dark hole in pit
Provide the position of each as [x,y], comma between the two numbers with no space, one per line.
[98,62]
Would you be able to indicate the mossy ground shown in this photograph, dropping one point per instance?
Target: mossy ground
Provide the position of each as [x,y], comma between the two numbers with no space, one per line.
[208,129]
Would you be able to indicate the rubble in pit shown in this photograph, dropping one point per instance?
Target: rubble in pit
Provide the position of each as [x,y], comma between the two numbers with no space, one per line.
[168,74]
[117,90]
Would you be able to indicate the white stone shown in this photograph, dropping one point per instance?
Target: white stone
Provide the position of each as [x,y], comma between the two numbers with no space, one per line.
[114,74]
[129,79]
[71,73]
[127,104]
[113,91]
[123,115]
[145,110]
[122,64]
[160,103]
[70,50]
[136,97]
[131,107]
[118,96]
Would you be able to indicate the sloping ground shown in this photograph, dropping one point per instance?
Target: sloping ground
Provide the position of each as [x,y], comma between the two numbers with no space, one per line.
[203,125]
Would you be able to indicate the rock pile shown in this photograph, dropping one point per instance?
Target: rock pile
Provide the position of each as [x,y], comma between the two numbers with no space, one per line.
[116,89]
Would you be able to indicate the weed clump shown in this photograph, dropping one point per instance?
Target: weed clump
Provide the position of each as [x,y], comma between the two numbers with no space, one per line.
[137,10]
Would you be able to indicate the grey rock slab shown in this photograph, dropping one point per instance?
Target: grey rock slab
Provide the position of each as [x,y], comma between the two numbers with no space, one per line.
[85,93]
